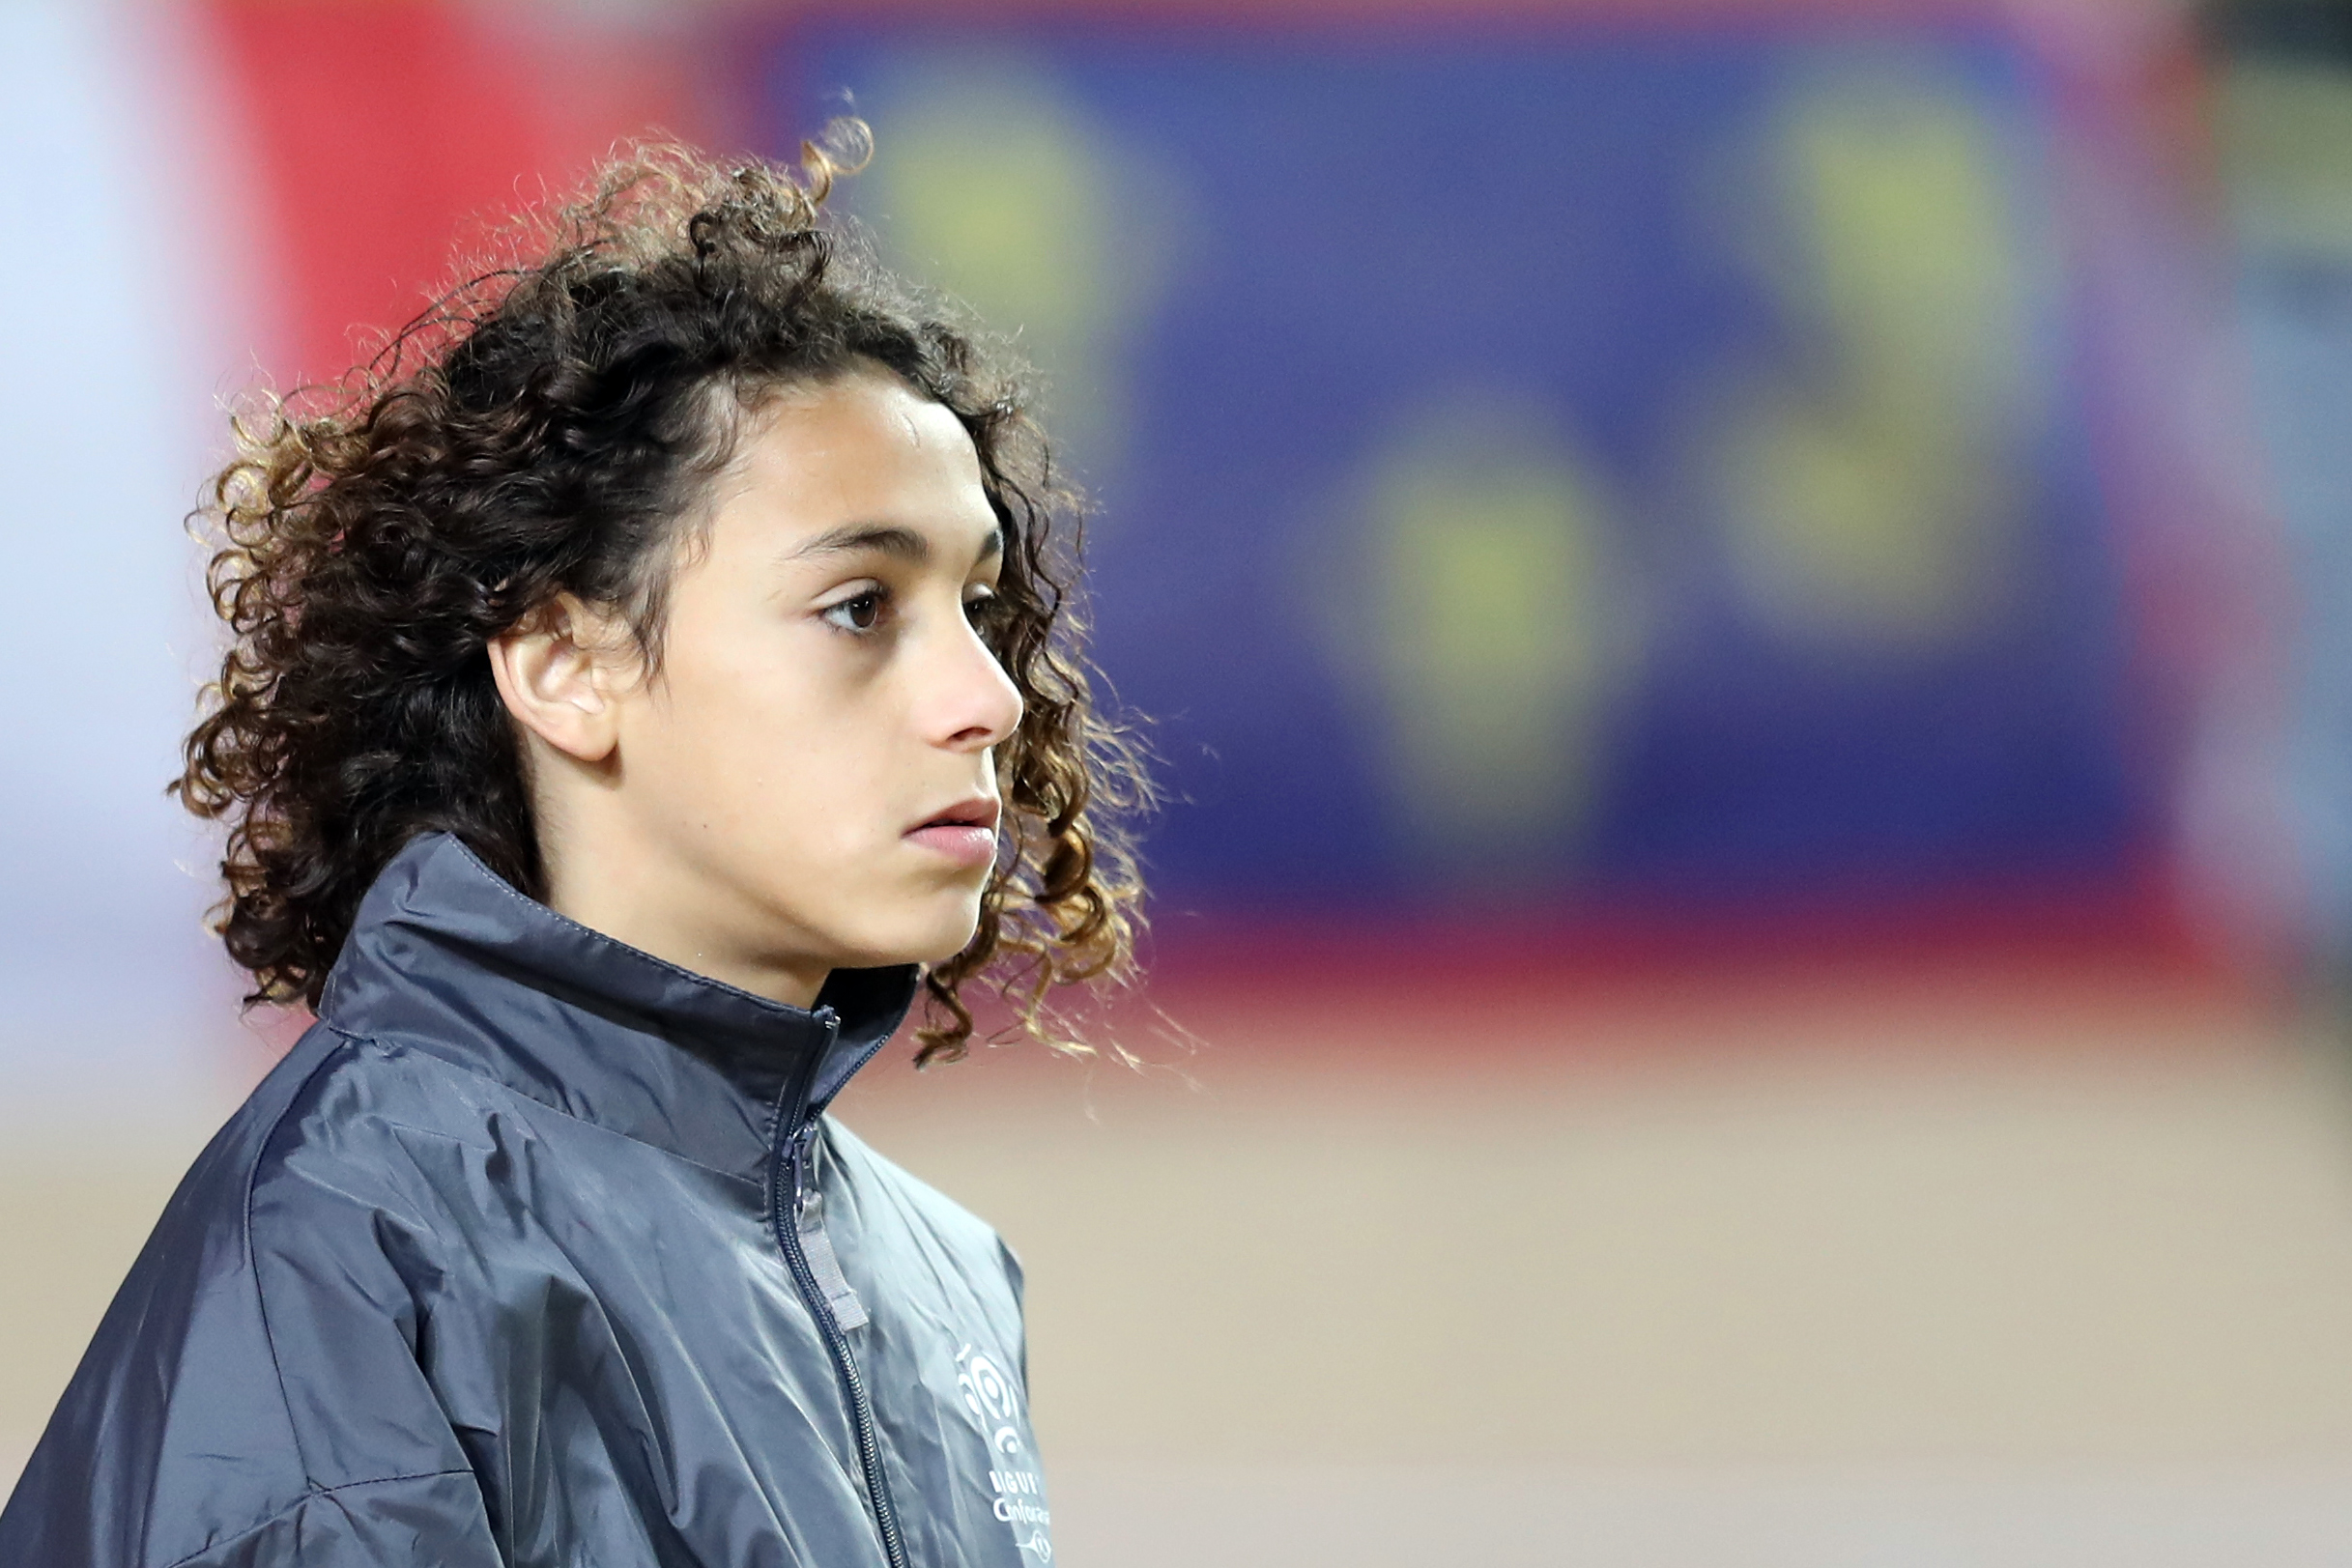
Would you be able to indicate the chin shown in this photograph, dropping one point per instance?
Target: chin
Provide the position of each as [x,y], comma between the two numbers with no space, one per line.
[926,936]
[949,945]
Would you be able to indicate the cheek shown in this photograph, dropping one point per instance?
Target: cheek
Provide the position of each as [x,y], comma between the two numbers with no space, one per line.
[785,749]
[742,683]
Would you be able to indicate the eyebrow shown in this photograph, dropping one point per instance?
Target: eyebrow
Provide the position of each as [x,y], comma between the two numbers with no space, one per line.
[886,539]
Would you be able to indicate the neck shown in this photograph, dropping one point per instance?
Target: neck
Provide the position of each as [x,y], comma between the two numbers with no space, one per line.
[658,905]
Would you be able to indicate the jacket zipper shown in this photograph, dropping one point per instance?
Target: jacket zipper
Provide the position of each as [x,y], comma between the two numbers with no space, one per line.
[792,1163]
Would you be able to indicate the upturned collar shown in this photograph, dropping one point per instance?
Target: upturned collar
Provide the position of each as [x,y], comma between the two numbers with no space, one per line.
[447,959]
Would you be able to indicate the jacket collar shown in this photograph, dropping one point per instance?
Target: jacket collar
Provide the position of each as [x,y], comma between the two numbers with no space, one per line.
[447,959]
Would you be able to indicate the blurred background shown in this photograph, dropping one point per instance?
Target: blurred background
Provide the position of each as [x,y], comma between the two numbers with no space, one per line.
[1747,610]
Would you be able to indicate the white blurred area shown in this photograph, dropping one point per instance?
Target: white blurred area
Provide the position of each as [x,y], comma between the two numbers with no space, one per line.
[1775,1273]
[116,340]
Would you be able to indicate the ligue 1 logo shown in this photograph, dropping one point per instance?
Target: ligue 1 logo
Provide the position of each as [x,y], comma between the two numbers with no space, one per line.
[1020,1501]
[988,1396]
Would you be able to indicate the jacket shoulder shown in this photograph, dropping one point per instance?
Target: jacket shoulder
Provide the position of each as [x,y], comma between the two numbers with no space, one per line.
[263,1282]
[972,1240]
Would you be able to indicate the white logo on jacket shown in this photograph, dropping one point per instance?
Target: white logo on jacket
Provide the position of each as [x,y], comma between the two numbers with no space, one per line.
[1020,1492]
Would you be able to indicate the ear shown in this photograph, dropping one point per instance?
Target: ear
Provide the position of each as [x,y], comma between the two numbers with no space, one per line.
[559,671]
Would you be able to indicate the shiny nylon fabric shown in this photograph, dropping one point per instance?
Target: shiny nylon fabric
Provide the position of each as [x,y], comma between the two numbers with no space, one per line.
[486,1273]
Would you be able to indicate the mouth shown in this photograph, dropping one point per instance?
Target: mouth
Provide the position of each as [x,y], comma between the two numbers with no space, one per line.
[964,832]
[980,812]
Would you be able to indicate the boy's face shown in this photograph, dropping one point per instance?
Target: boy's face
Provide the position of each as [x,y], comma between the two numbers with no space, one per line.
[806,781]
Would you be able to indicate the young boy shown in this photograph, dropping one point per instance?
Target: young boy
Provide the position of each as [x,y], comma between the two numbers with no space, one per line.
[649,677]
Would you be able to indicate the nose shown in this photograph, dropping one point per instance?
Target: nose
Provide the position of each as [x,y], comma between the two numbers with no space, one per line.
[974,704]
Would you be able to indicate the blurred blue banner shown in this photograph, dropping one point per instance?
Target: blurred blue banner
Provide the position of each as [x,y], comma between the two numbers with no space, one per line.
[1570,465]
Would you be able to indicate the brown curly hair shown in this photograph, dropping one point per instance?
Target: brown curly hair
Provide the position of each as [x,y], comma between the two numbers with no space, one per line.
[545,427]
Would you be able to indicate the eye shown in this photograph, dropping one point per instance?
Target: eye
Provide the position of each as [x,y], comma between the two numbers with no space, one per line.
[983,608]
[859,615]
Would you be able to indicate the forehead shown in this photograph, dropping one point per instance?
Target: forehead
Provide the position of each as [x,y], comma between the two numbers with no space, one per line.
[863,447]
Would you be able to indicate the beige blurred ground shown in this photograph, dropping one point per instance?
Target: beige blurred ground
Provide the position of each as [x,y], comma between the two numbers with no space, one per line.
[1997,1275]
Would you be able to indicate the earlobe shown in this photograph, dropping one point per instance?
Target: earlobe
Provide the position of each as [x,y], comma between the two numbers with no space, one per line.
[555,673]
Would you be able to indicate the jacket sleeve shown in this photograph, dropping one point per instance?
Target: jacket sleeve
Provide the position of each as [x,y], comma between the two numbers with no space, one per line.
[254,1396]
[413,1520]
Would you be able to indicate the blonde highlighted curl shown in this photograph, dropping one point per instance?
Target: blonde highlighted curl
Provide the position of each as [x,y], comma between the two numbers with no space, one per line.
[547,426]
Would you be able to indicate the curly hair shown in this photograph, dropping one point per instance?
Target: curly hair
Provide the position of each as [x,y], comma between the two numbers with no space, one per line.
[547,426]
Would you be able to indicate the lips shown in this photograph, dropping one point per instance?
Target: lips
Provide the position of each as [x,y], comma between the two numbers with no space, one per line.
[980,812]
[964,832]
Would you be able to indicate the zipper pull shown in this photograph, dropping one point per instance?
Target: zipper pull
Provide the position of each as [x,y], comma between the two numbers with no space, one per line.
[809,1224]
[806,1196]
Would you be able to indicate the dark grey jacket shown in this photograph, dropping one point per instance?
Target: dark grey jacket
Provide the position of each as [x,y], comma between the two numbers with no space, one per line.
[539,1250]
